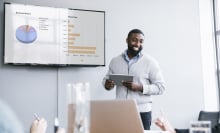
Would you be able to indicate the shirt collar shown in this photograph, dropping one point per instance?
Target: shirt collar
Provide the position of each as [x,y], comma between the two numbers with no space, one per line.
[127,58]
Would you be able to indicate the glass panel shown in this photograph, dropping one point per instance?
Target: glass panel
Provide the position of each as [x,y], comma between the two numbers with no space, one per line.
[217,13]
[217,38]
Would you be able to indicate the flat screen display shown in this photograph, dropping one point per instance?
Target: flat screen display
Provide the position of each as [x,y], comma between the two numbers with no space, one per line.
[53,36]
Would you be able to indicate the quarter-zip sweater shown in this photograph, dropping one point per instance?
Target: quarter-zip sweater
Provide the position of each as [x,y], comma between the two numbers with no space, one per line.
[146,72]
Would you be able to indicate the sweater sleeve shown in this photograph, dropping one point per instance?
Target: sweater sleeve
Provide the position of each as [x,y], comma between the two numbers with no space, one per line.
[157,85]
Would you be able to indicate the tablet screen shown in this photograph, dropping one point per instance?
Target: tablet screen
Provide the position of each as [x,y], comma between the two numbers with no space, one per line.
[118,78]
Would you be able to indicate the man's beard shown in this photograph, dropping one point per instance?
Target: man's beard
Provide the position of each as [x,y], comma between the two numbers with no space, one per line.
[134,52]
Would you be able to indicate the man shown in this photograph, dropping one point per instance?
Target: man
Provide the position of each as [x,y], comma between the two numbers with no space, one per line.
[9,122]
[148,78]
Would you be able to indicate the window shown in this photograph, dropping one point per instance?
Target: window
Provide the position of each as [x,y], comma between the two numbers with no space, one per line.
[208,51]
[216,17]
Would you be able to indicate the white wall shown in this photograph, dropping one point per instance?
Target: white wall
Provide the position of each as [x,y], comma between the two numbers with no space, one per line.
[172,35]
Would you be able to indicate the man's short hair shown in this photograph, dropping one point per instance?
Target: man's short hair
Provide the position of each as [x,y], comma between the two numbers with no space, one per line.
[135,31]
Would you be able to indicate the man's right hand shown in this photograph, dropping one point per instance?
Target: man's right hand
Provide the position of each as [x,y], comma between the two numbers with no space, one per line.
[109,84]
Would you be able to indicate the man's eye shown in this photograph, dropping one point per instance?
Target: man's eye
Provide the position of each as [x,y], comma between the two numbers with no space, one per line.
[134,40]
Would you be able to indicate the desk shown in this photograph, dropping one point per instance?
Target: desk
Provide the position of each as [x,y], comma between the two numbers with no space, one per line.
[155,131]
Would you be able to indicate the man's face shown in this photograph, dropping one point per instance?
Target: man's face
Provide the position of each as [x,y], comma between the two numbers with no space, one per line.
[135,42]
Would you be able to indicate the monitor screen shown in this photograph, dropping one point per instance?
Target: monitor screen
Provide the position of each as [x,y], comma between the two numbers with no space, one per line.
[39,35]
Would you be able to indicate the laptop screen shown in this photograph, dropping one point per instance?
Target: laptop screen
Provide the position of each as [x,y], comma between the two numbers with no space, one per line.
[111,116]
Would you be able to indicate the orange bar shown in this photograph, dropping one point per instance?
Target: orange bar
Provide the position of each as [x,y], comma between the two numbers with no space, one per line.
[82,47]
[71,38]
[70,42]
[81,52]
[74,34]
[70,25]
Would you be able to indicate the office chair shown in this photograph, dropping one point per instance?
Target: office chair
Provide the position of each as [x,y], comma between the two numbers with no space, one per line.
[209,116]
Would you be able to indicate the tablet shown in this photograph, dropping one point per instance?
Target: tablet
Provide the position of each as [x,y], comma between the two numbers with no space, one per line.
[118,78]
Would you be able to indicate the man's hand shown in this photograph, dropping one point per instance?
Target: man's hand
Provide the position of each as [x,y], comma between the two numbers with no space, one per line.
[39,126]
[133,86]
[109,84]
[163,123]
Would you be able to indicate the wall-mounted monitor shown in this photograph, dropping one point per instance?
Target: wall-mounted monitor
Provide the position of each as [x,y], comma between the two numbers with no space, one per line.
[39,35]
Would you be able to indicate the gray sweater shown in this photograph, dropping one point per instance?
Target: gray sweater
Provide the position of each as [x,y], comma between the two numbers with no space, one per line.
[146,72]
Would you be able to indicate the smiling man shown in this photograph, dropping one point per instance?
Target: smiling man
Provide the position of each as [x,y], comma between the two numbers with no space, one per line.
[148,79]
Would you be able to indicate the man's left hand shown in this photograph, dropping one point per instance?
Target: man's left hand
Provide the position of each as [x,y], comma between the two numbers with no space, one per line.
[132,85]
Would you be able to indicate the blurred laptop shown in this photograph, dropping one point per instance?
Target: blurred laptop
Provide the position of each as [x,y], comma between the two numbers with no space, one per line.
[115,116]
[111,116]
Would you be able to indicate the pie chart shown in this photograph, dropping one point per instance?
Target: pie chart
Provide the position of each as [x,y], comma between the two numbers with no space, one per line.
[26,34]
